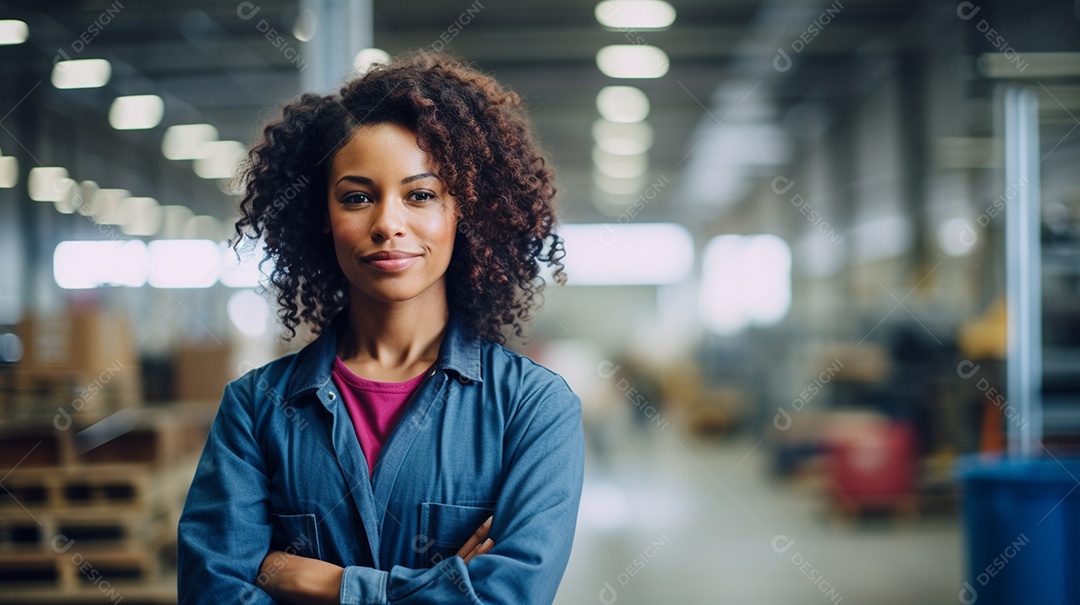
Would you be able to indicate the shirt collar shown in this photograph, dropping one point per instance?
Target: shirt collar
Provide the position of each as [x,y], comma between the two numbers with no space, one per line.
[460,352]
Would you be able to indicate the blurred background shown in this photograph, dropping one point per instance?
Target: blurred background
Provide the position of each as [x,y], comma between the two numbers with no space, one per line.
[790,280]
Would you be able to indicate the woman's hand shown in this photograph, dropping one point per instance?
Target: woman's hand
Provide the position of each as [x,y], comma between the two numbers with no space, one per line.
[478,544]
[300,580]
[303,581]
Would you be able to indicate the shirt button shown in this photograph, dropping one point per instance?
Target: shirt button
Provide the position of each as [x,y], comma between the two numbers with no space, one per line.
[332,396]
[462,379]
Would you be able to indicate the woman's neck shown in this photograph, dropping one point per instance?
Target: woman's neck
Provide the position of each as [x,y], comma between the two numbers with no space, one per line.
[392,342]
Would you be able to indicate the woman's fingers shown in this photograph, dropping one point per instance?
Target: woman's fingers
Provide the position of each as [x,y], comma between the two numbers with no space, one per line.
[482,548]
[475,540]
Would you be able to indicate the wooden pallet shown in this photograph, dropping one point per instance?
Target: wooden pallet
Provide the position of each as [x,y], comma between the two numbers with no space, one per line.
[160,592]
[38,392]
[112,487]
[77,569]
[43,530]
[146,434]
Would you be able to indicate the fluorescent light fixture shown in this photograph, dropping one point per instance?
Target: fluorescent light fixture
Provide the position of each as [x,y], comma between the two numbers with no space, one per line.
[9,172]
[81,73]
[249,312]
[745,280]
[46,183]
[185,141]
[13,31]
[622,104]
[366,58]
[635,14]
[70,199]
[305,25]
[140,216]
[174,220]
[624,139]
[104,207]
[184,263]
[202,226]
[92,264]
[634,254]
[219,159]
[618,186]
[620,166]
[243,272]
[136,112]
[632,61]
[87,190]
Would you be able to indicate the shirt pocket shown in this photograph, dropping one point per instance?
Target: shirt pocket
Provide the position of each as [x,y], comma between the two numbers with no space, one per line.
[444,529]
[296,534]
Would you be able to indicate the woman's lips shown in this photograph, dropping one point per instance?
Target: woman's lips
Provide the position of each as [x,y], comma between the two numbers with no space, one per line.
[391,261]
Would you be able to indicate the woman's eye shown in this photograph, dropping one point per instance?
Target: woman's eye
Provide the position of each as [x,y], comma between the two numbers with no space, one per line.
[422,196]
[355,198]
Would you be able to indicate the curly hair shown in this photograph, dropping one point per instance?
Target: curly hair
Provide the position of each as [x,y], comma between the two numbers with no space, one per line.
[483,148]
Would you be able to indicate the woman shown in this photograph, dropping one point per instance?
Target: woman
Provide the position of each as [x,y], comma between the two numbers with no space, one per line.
[405,455]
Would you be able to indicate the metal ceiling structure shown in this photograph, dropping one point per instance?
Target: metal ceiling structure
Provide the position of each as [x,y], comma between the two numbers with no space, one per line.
[220,62]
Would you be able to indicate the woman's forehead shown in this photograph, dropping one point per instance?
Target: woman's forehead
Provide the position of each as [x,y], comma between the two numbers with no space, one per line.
[386,148]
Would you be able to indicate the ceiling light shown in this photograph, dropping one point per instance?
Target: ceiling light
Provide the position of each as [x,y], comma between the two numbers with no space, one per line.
[136,112]
[87,190]
[744,280]
[622,104]
[140,216]
[304,26]
[104,207]
[91,264]
[620,166]
[9,172]
[626,139]
[13,31]
[368,57]
[634,254]
[66,204]
[184,263]
[202,226]
[174,219]
[635,14]
[46,183]
[249,312]
[618,186]
[185,141]
[632,61]
[219,159]
[81,73]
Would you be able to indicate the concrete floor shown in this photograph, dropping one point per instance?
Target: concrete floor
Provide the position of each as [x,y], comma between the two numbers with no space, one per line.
[666,518]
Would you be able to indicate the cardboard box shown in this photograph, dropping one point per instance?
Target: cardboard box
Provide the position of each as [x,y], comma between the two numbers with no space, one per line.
[202,371]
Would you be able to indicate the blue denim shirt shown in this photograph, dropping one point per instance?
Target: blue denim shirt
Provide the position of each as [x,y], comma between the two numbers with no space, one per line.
[488,433]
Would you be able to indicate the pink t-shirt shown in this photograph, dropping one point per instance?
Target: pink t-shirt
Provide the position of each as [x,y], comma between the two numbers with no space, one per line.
[375,407]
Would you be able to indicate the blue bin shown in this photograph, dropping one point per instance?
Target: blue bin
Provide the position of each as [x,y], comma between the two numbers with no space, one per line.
[1022,524]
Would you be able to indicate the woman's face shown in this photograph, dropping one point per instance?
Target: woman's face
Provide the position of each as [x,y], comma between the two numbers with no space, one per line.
[392,221]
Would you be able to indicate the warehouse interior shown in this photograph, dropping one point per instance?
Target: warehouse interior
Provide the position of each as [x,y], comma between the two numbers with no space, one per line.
[823,260]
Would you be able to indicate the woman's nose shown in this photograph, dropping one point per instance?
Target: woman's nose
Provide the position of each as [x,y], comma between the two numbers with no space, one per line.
[388,220]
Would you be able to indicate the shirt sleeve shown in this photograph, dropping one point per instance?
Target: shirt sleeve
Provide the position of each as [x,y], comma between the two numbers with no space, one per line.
[533,525]
[224,531]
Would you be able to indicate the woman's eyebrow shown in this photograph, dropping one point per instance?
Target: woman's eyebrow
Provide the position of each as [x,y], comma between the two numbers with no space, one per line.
[363,180]
[417,177]
[359,180]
